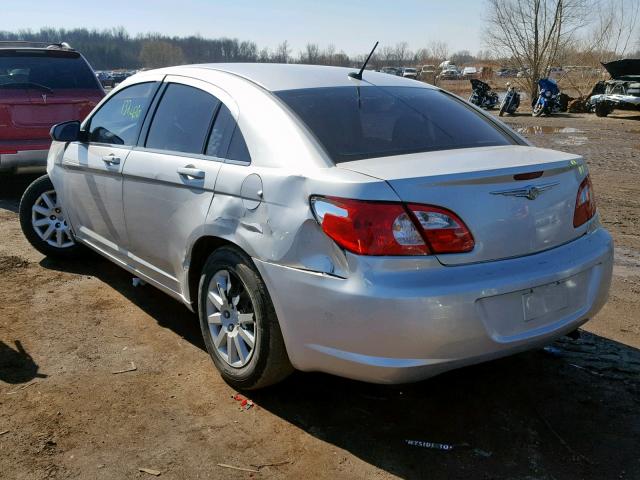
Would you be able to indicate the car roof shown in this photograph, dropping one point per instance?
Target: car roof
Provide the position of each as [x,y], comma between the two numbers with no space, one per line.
[276,77]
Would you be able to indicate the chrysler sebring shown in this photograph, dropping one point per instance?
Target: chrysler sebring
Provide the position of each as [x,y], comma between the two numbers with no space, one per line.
[372,227]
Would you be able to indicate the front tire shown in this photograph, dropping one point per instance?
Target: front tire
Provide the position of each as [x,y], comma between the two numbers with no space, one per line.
[538,110]
[44,223]
[602,109]
[238,322]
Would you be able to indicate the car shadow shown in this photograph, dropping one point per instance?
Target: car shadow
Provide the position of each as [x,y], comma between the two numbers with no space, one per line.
[566,412]
[11,189]
[167,312]
[16,364]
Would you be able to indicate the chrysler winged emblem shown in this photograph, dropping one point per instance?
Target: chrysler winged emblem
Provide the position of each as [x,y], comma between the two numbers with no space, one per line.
[530,191]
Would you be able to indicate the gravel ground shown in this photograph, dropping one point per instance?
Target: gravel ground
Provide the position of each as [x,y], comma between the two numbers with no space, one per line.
[568,412]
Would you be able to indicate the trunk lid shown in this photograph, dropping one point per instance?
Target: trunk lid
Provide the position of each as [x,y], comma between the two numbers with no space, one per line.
[478,185]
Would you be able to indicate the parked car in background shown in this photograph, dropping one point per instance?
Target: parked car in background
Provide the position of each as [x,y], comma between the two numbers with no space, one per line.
[449,73]
[428,70]
[119,77]
[469,72]
[391,70]
[622,91]
[428,73]
[507,72]
[105,79]
[40,85]
[377,228]
[409,72]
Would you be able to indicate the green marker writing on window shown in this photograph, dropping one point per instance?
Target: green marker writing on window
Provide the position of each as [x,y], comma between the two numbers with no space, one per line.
[130,110]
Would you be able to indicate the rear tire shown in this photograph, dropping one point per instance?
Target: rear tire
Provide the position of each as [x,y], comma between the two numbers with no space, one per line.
[44,223]
[238,322]
[503,109]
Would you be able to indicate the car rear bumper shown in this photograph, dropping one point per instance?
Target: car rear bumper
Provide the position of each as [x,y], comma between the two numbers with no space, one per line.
[24,161]
[386,324]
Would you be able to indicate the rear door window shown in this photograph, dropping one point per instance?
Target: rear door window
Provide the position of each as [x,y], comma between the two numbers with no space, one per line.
[182,120]
[46,70]
[119,120]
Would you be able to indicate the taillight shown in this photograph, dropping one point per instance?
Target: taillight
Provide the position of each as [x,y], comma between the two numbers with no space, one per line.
[391,228]
[443,230]
[585,203]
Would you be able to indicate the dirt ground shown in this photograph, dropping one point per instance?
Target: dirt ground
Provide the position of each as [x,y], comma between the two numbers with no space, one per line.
[571,412]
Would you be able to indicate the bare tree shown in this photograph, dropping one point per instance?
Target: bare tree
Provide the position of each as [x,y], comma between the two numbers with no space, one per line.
[610,37]
[311,54]
[439,51]
[402,53]
[329,54]
[282,53]
[613,34]
[533,32]
[264,56]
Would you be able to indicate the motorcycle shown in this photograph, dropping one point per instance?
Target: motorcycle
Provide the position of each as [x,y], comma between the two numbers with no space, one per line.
[510,102]
[482,95]
[548,101]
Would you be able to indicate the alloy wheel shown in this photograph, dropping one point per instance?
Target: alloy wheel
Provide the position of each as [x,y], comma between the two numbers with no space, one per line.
[231,319]
[49,222]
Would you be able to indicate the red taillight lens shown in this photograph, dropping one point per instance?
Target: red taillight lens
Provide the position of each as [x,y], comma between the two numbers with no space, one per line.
[585,203]
[443,229]
[369,228]
[389,228]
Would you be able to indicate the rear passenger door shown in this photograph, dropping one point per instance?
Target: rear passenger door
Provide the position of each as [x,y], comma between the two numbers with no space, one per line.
[169,178]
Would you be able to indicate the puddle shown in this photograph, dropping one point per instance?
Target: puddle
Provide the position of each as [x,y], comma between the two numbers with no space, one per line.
[545,129]
[626,262]
[572,140]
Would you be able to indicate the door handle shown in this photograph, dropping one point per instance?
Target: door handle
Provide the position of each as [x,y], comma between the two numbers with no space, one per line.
[111,159]
[191,172]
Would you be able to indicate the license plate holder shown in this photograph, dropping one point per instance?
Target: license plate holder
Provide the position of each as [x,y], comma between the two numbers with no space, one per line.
[541,301]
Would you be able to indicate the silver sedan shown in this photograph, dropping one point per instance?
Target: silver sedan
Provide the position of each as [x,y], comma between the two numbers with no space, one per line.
[375,228]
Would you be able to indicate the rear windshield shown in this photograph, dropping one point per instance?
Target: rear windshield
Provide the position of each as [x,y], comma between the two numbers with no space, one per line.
[50,69]
[353,123]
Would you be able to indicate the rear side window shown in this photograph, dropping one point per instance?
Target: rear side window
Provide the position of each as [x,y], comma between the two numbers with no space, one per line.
[119,120]
[182,120]
[220,133]
[45,69]
[238,148]
[357,123]
[226,139]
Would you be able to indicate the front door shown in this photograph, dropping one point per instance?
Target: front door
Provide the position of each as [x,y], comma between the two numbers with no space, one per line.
[92,189]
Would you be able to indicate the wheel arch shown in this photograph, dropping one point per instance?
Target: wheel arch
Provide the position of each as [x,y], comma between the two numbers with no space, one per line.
[200,251]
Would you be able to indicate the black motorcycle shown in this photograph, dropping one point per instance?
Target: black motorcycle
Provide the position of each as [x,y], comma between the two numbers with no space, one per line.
[482,95]
[510,102]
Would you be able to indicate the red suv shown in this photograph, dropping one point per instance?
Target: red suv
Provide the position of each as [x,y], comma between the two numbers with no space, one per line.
[40,85]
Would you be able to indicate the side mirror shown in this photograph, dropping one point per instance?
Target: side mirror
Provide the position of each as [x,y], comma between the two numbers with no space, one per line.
[66,131]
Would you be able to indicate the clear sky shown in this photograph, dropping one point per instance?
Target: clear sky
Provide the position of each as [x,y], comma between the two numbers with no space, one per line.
[351,25]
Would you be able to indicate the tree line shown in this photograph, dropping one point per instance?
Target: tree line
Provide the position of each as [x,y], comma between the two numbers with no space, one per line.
[115,48]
